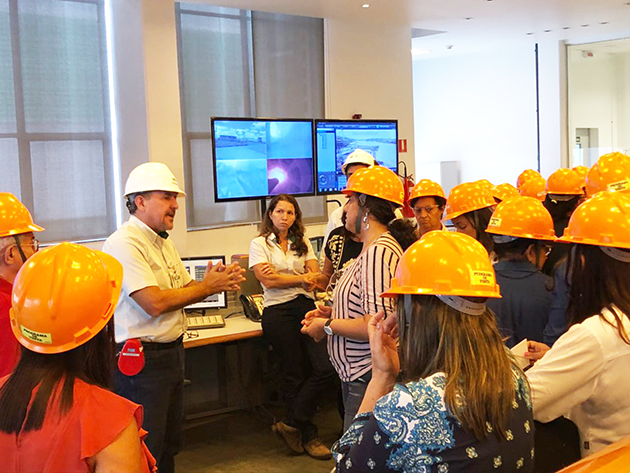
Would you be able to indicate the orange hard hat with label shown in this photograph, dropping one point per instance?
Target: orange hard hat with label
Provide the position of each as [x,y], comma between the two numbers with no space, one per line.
[377,181]
[448,265]
[522,217]
[63,297]
[15,218]
[504,191]
[426,188]
[602,220]
[565,182]
[526,176]
[536,188]
[465,198]
[611,172]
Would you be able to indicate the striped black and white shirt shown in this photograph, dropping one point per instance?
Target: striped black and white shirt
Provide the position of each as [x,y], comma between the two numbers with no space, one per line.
[358,293]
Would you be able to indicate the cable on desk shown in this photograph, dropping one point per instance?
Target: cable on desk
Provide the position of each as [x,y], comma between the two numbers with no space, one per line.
[237,312]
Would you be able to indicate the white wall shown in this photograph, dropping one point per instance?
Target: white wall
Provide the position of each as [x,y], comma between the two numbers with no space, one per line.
[368,71]
[478,109]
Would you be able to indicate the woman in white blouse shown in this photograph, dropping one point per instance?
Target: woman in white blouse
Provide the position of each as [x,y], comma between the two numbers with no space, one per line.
[284,262]
[584,376]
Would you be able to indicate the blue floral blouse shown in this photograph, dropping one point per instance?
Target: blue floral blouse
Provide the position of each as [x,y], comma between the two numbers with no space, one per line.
[412,430]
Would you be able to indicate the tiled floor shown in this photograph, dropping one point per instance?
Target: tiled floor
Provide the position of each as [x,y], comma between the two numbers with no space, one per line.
[243,443]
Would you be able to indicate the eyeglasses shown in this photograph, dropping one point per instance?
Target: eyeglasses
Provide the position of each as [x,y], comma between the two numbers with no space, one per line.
[34,244]
[428,209]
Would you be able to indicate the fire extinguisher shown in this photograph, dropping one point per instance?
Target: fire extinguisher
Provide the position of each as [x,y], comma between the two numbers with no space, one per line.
[408,184]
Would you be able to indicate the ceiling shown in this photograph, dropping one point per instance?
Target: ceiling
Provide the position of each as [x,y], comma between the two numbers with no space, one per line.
[469,24]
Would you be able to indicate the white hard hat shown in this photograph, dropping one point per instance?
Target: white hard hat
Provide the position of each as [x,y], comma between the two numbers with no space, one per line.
[152,177]
[358,156]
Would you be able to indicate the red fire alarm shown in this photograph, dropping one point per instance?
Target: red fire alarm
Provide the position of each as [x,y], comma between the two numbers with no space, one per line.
[402,146]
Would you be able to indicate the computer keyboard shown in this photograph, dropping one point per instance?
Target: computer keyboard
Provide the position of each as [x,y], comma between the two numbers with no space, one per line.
[196,322]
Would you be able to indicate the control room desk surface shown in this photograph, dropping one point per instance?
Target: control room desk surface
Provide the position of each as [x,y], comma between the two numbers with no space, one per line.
[236,328]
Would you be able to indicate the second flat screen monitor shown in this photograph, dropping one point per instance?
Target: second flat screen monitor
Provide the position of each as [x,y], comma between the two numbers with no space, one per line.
[336,139]
[256,158]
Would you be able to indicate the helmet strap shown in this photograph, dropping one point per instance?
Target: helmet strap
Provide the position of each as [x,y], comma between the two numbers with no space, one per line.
[407,305]
[463,305]
[19,247]
[616,253]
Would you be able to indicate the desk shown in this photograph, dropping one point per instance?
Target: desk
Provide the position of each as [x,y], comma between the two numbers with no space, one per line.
[236,328]
[226,367]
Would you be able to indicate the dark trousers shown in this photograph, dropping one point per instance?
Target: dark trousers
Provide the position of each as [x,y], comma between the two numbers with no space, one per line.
[306,370]
[159,388]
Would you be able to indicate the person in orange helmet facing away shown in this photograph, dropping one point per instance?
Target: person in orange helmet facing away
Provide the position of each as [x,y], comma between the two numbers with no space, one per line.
[58,413]
[17,244]
[445,395]
[427,200]
[526,176]
[522,230]
[583,377]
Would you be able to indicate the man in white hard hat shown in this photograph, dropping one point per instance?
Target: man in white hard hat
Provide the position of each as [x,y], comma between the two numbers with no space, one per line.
[356,160]
[156,287]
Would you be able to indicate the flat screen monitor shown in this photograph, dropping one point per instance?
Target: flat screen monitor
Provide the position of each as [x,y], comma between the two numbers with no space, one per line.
[196,266]
[336,139]
[257,158]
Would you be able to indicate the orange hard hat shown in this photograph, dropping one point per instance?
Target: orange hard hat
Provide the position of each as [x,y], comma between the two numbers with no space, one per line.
[426,188]
[526,176]
[610,172]
[485,184]
[522,217]
[465,198]
[504,191]
[565,182]
[602,220]
[535,187]
[445,263]
[14,217]
[580,170]
[63,297]
[377,181]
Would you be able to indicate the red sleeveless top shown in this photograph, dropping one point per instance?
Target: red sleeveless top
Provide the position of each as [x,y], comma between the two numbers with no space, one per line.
[64,444]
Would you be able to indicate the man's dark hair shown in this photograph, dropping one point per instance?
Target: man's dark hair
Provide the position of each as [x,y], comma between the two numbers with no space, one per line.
[131,201]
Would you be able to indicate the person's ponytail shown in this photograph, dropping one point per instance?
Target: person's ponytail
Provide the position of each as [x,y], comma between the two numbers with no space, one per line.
[404,231]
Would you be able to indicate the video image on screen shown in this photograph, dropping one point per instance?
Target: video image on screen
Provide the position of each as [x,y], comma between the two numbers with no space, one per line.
[257,158]
[337,139]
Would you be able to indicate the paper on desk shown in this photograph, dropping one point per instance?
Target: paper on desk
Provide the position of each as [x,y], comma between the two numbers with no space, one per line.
[518,351]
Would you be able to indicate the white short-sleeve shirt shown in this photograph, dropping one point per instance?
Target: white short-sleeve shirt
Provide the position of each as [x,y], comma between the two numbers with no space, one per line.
[267,250]
[147,260]
[584,377]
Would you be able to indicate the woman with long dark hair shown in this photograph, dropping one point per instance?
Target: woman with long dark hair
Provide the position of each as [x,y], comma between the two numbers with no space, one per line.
[584,376]
[373,195]
[445,396]
[284,262]
[469,207]
[57,411]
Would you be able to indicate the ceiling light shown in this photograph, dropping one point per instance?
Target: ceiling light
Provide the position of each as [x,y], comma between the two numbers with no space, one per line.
[584,26]
[366,5]
[566,28]
[603,22]
[529,34]
[548,31]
